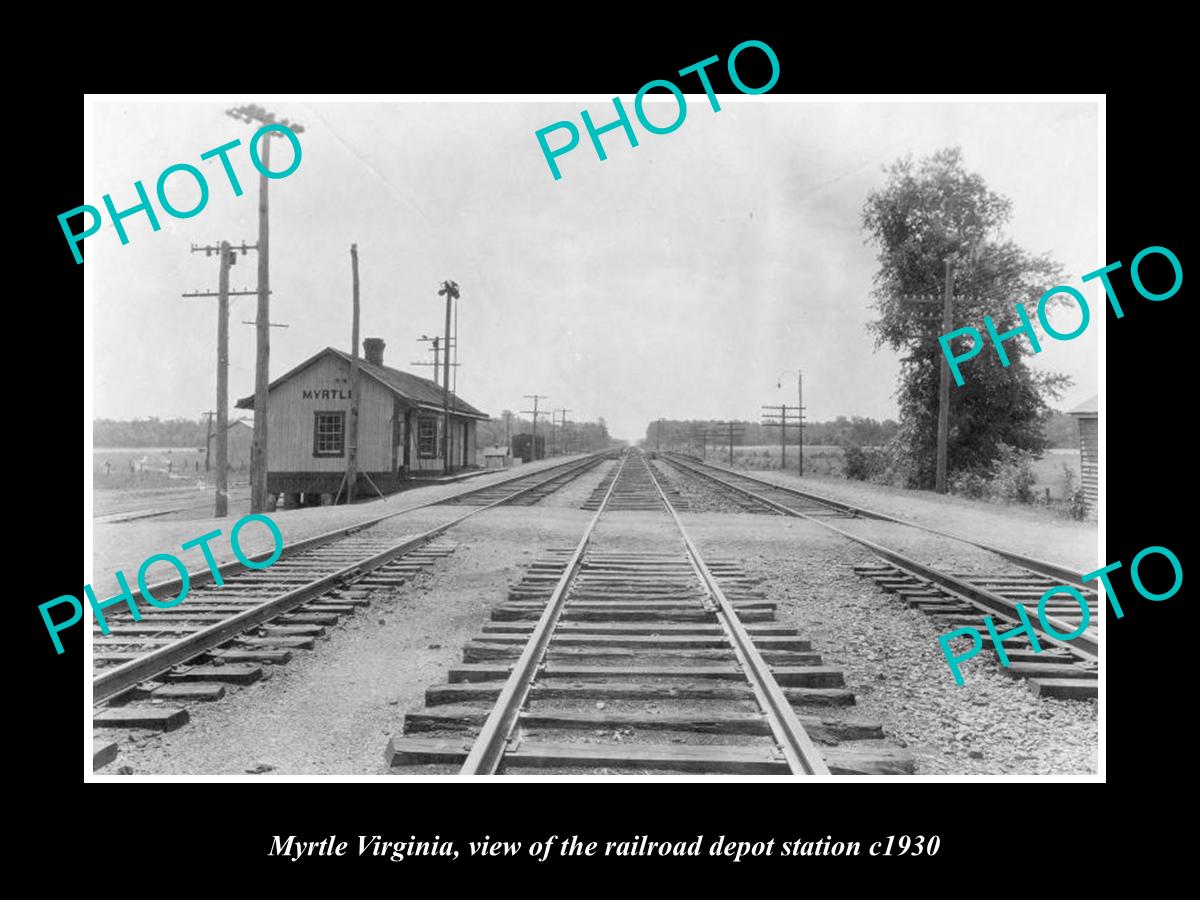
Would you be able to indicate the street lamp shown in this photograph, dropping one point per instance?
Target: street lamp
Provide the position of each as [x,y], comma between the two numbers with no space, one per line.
[799,408]
[258,451]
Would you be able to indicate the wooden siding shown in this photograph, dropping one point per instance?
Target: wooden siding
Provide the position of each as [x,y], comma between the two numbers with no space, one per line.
[1089,458]
[325,387]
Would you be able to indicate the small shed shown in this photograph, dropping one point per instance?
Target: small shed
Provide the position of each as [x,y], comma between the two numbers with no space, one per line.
[1087,415]
[495,457]
[239,437]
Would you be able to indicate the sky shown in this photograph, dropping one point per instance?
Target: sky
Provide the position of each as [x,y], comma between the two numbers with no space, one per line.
[679,279]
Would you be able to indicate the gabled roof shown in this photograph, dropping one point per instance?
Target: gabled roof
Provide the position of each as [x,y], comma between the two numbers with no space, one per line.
[418,391]
[1087,407]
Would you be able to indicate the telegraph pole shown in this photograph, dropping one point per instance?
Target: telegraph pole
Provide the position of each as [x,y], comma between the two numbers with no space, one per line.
[450,292]
[535,398]
[943,427]
[352,444]
[262,381]
[437,356]
[227,256]
[208,439]
[781,412]
[562,427]
[799,410]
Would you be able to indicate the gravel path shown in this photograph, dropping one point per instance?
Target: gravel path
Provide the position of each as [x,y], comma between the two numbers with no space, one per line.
[1023,529]
[331,710]
[892,661]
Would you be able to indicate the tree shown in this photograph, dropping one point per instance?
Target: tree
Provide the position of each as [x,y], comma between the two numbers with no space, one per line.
[926,214]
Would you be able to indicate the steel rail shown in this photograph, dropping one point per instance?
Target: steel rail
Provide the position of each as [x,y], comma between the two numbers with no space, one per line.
[802,755]
[201,577]
[1083,645]
[1040,566]
[119,679]
[487,753]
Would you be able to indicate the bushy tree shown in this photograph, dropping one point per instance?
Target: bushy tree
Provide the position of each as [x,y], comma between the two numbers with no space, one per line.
[927,213]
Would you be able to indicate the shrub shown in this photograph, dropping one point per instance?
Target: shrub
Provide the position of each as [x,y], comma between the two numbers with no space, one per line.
[1012,475]
[863,463]
[1077,507]
[971,484]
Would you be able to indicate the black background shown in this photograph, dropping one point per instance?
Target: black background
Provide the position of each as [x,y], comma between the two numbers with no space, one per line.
[1022,836]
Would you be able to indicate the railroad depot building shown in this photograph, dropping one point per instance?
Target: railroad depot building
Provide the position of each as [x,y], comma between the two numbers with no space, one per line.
[400,426]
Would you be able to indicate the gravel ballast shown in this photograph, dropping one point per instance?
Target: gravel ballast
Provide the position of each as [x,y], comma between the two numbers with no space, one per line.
[991,725]
[330,711]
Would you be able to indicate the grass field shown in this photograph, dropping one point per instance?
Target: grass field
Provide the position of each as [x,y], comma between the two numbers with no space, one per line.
[822,459]
[141,467]
[1049,472]
[819,459]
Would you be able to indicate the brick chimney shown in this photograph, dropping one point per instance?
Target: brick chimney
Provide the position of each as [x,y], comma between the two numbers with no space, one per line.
[373,350]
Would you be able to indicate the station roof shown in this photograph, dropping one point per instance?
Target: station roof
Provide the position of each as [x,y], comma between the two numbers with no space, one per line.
[420,392]
[1089,407]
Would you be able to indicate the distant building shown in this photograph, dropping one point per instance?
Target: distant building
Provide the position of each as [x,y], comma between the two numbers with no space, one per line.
[529,448]
[495,457]
[240,435]
[1087,415]
[400,430]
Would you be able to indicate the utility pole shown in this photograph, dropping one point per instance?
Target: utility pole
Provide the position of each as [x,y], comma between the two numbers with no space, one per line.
[208,439]
[437,350]
[562,430]
[262,381]
[781,412]
[943,428]
[352,443]
[561,424]
[658,435]
[799,410]
[800,417]
[450,292]
[535,398]
[228,256]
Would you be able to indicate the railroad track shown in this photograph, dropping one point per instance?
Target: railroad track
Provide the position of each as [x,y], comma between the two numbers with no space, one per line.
[224,635]
[1063,669]
[632,652]
[539,487]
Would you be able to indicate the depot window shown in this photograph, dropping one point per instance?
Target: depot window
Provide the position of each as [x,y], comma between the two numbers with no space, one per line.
[329,434]
[427,438]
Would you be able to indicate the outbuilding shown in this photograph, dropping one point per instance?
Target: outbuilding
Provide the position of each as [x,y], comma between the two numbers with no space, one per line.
[1087,415]
[239,437]
[400,430]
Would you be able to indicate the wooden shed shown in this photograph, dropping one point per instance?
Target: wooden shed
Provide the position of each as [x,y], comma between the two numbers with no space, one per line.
[400,430]
[1087,415]
[239,437]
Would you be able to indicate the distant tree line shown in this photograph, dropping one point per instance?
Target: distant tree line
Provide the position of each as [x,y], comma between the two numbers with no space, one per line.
[151,432]
[856,430]
[580,436]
